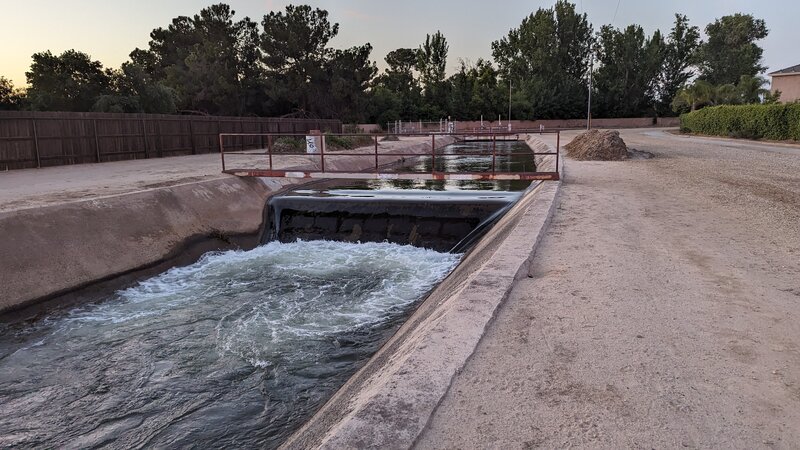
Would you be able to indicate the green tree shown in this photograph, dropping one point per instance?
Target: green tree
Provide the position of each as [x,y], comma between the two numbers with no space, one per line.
[488,96]
[10,97]
[209,60]
[731,50]
[630,63]
[342,93]
[432,64]
[399,75]
[726,94]
[546,58]
[295,52]
[461,84]
[134,91]
[71,81]
[384,106]
[474,92]
[680,52]
[399,79]
[751,89]
[694,96]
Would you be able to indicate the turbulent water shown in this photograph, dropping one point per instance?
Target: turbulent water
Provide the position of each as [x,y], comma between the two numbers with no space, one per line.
[232,351]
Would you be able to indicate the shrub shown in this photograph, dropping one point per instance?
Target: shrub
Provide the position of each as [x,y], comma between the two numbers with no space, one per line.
[289,144]
[347,142]
[775,122]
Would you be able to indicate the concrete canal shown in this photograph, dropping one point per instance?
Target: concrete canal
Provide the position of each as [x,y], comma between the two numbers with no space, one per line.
[241,347]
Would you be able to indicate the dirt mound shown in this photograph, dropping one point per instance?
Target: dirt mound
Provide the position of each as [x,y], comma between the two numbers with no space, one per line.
[598,145]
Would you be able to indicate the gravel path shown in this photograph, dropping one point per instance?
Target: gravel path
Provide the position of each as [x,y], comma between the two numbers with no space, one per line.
[663,311]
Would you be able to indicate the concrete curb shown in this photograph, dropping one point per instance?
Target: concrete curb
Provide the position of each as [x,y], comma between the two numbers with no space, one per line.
[388,403]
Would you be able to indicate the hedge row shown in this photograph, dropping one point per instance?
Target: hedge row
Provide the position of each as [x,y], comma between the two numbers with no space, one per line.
[777,122]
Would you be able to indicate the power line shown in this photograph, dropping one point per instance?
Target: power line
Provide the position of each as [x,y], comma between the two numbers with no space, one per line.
[615,12]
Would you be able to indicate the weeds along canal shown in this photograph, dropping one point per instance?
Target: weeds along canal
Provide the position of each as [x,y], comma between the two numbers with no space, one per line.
[235,350]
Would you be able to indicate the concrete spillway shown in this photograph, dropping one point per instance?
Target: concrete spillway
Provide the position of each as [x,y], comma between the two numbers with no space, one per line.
[435,220]
[239,348]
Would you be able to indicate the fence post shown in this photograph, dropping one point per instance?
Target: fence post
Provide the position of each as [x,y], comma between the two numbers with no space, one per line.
[191,136]
[96,139]
[160,149]
[221,152]
[219,131]
[36,144]
[269,149]
[144,136]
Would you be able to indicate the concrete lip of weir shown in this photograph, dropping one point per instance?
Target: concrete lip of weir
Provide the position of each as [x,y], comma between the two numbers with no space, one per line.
[388,403]
[438,222]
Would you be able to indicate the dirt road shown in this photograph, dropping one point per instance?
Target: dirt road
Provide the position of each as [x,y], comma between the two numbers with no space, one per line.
[663,311]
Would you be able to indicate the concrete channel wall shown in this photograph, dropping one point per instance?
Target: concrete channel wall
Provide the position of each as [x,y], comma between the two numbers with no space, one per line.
[388,403]
[50,251]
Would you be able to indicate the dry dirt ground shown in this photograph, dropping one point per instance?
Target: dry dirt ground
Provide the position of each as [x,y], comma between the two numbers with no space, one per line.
[662,311]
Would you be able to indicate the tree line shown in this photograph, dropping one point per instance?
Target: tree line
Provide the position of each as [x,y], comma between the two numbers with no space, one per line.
[212,63]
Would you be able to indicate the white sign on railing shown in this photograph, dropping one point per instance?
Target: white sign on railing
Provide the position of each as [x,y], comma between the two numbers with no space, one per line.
[311,144]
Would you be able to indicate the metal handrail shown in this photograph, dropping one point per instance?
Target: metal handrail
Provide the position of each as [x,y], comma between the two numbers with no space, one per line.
[323,153]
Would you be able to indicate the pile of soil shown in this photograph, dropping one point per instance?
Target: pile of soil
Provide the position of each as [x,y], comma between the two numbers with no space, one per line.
[597,145]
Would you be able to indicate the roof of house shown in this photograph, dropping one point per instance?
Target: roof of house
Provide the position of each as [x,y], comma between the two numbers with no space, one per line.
[788,70]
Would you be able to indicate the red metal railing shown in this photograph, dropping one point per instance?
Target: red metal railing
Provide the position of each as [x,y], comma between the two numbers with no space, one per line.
[375,169]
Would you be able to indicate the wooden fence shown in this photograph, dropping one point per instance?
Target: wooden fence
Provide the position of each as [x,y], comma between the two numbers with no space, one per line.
[41,139]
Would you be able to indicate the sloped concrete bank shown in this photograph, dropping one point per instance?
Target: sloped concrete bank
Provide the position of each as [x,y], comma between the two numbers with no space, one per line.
[51,251]
[388,403]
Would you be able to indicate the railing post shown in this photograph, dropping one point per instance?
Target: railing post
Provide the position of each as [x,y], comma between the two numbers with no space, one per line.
[36,144]
[433,153]
[376,153]
[222,152]
[322,151]
[269,150]
[494,152]
[558,148]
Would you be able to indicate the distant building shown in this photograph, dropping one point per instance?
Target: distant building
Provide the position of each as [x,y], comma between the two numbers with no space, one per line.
[788,82]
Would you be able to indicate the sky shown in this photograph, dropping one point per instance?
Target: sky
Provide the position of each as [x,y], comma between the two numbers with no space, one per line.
[109,29]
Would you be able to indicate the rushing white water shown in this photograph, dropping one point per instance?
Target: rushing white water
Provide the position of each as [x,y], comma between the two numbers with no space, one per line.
[226,351]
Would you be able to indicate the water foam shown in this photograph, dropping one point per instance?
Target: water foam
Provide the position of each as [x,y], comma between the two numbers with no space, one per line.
[227,350]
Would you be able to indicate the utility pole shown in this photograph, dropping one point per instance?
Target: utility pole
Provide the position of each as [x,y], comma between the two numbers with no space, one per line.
[589,108]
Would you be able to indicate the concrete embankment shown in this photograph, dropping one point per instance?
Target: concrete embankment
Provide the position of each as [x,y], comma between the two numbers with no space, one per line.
[390,400]
[53,250]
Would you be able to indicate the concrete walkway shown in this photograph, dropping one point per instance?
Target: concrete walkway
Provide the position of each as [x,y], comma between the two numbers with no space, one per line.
[662,311]
[31,188]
